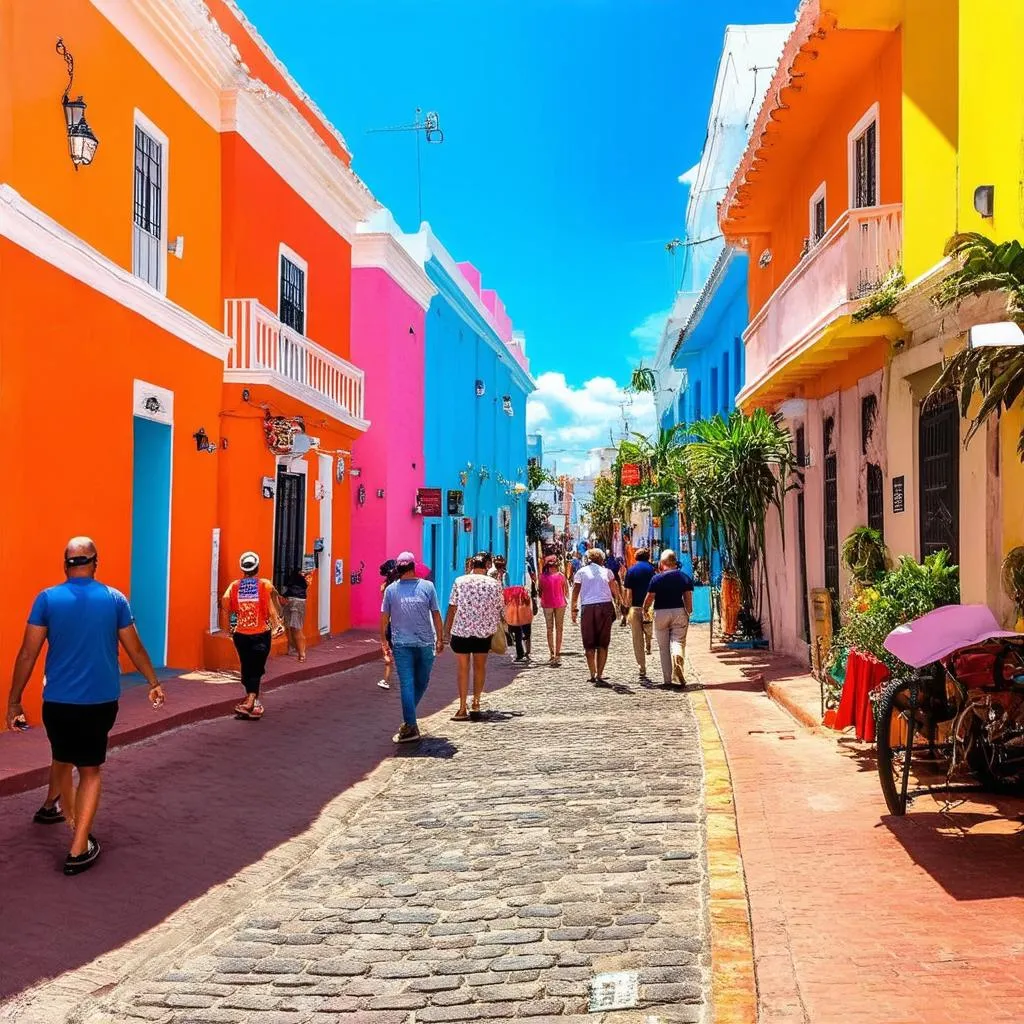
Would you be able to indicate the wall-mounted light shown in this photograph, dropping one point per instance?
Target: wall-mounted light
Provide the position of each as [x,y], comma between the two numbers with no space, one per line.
[481,389]
[985,200]
[82,142]
[506,405]
[361,494]
[203,442]
[380,492]
[177,247]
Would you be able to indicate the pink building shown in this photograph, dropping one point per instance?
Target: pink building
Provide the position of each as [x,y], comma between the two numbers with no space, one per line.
[390,295]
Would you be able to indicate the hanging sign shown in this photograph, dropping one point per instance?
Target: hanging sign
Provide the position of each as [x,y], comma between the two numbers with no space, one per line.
[899,494]
[456,503]
[280,432]
[429,501]
[630,474]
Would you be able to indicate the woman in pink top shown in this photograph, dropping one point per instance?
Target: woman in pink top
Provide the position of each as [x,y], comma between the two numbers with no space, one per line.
[554,593]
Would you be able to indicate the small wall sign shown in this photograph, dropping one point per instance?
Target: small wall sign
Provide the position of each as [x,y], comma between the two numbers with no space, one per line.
[429,501]
[617,991]
[898,495]
[269,487]
[456,503]
[339,571]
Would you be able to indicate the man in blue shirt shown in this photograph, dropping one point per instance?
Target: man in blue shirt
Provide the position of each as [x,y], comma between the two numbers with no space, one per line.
[410,608]
[671,593]
[82,621]
[638,578]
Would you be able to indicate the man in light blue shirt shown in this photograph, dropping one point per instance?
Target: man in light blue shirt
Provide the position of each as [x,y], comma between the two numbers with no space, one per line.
[410,608]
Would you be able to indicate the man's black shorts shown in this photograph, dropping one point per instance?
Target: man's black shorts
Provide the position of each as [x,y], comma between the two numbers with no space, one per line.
[78,732]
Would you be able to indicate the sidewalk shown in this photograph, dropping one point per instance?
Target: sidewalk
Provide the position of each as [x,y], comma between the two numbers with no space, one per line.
[191,697]
[858,916]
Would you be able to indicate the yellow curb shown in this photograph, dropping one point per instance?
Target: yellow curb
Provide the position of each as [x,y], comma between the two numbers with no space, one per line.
[733,984]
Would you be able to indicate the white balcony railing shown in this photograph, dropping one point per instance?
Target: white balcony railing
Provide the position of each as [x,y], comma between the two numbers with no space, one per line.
[267,352]
[852,259]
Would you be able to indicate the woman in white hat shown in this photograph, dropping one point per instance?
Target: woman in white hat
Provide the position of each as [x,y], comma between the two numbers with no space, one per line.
[254,608]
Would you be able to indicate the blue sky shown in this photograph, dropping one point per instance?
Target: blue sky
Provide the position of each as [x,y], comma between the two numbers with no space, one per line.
[567,124]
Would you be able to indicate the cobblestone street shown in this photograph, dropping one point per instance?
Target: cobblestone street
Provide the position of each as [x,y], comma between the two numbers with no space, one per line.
[490,872]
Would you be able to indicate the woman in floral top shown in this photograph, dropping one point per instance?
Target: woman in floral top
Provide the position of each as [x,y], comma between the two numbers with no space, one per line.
[474,616]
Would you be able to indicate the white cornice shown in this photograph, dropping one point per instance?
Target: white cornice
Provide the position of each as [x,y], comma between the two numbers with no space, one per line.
[32,230]
[381,250]
[288,143]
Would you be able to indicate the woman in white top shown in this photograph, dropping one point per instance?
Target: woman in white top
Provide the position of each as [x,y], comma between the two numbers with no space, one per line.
[475,610]
[597,590]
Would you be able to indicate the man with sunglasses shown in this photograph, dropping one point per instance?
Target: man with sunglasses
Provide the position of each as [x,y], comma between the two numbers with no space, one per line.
[82,621]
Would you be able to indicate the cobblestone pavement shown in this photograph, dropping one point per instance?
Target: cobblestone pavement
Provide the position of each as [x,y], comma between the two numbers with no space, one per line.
[499,867]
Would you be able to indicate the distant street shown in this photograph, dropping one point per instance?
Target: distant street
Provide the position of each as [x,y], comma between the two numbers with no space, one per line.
[490,872]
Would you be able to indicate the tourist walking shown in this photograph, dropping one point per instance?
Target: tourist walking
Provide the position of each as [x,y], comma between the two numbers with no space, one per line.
[519,616]
[554,595]
[597,590]
[254,618]
[671,594]
[296,586]
[389,575]
[641,625]
[474,615]
[410,612]
[82,621]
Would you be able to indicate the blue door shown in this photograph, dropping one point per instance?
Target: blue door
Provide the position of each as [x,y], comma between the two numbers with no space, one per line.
[151,534]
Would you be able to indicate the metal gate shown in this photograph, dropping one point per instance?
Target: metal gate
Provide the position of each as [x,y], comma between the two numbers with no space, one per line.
[939,474]
[875,477]
[831,514]
[801,526]
[289,525]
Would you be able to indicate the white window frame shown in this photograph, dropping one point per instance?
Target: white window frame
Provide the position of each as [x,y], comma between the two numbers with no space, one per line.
[871,115]
[139,120]
[820,196]
[293,257]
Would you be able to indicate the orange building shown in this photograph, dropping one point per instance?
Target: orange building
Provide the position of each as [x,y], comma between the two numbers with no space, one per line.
[162,303]
[817,202]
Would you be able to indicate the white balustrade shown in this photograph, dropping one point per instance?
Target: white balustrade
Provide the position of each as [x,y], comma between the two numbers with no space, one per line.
[266,348]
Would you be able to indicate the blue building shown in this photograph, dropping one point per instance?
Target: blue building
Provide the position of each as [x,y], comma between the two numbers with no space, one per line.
[476,384]
[700,361]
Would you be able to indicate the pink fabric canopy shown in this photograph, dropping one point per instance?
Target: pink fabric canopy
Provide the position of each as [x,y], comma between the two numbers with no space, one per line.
[943,631]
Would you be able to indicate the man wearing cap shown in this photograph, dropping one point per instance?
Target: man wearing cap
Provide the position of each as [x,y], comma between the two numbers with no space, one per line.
[411,611]
[254,607]
[82,621]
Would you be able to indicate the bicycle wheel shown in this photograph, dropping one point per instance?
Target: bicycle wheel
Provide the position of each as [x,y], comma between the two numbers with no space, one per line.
[901,717]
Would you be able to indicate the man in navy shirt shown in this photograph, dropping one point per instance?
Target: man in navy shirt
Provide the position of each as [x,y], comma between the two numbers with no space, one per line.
[671,593]
[82,620]
[638,578]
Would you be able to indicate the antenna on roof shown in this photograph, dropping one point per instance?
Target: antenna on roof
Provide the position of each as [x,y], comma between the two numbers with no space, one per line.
[430,126]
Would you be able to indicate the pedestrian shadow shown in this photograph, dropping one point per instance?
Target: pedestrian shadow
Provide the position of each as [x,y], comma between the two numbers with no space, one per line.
[495,717]
[439,747]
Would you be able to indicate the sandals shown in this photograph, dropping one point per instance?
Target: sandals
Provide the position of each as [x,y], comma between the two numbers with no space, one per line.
[462,715]
[252,711]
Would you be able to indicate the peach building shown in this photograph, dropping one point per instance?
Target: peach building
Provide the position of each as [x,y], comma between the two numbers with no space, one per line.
[177,332]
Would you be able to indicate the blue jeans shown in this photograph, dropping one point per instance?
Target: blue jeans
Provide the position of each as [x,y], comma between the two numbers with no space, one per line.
[413,665]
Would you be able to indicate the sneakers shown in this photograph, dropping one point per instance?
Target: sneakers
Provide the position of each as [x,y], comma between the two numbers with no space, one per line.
[49,815]
[407,734]
[84,861]
[383,684]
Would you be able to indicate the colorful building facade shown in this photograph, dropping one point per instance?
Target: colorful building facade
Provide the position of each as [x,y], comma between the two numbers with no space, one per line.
[881,122]
[193,353]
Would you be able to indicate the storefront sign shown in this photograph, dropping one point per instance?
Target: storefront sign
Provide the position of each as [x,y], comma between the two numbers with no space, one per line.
[630,474]
[898,495]
[429,501]
[456,504]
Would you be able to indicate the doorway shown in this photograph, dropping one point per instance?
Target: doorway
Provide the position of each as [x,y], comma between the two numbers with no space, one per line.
[939,475]
[831,482]
[326,556]
[289,525]
[801,528]
[151,533]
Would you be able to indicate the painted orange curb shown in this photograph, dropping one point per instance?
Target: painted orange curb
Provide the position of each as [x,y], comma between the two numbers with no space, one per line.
[733,982]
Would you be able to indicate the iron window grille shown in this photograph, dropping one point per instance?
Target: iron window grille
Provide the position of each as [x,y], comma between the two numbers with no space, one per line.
[293,296]
[147,213]
[865,152]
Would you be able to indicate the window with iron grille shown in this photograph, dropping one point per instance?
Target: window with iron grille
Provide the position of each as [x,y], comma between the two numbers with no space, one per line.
[293,296]
[818,221]
[726,394]
[696,401]
[147,213]
[875,478]
[714,391]
[865,168]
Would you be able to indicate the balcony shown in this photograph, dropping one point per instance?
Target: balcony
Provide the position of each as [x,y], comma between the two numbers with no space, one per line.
[806,325]
[267,352]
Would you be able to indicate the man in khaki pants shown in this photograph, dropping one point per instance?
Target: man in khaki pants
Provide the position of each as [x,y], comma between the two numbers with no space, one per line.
[637,580]
[671,593]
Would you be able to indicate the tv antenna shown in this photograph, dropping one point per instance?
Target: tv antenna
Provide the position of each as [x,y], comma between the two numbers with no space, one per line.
[429,126]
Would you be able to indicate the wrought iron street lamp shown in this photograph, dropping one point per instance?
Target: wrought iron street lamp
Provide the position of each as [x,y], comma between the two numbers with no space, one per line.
[82,142]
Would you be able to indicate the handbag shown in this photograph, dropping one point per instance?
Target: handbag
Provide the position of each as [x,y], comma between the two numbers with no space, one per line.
[499,642]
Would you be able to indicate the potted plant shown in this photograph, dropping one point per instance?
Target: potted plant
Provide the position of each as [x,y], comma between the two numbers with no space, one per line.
[865,555]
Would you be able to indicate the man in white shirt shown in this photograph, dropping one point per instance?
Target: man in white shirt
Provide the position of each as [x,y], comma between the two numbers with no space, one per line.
[597,590]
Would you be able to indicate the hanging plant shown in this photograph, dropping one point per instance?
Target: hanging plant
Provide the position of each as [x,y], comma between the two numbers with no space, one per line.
[865,555]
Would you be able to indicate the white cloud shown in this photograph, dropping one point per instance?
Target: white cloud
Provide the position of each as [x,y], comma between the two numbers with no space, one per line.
[689,177]
[575,420]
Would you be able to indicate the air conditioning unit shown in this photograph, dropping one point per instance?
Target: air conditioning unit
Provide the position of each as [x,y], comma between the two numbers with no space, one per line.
[821,630]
